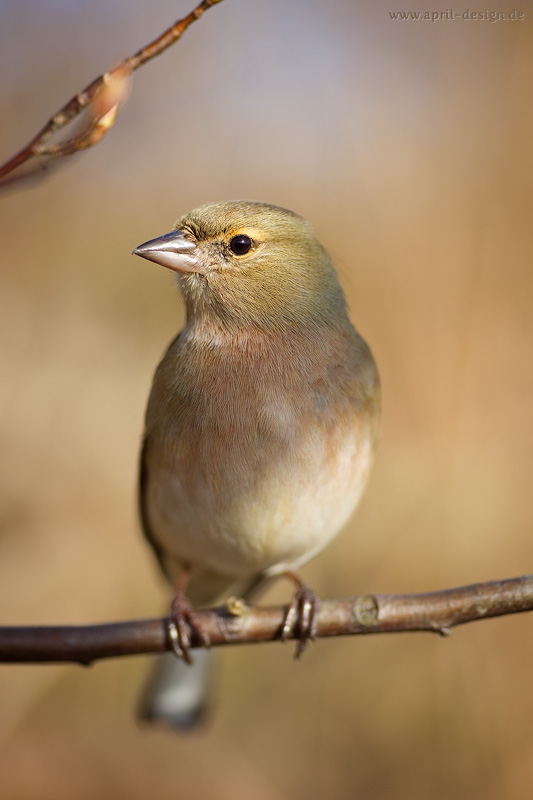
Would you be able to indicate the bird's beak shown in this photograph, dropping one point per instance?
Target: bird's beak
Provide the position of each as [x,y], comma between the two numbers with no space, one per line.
[173,250]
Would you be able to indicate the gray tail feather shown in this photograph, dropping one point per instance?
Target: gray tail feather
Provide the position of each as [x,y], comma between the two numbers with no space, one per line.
[178,693]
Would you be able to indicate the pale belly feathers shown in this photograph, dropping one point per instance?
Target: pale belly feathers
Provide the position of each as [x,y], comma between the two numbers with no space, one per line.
[244,526]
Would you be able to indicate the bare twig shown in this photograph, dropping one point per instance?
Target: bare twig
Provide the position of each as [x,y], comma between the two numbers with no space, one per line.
[238,623]
[103,97]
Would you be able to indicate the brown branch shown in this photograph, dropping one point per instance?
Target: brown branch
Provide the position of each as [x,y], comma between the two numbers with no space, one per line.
[103,97]
[238,623]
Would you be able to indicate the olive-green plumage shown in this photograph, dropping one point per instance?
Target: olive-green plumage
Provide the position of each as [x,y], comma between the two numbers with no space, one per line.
[263,414]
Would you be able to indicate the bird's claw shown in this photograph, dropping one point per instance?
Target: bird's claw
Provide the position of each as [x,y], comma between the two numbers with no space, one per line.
[302,614]
[182,621]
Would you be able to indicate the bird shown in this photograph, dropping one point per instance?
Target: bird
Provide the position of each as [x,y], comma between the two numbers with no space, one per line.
[260,427]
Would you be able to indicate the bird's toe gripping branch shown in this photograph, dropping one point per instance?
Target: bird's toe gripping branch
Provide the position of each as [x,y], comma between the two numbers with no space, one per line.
[302,615]
[183,621]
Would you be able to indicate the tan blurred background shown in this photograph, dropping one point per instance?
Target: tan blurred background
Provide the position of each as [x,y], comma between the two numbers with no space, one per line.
[409,147]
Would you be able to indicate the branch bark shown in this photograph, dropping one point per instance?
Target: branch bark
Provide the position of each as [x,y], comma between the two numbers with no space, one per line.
[238,623]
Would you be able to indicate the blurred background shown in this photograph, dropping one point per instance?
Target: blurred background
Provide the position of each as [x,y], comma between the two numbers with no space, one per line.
[408,145]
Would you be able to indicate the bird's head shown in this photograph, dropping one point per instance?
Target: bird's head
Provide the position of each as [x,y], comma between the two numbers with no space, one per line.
[248,265]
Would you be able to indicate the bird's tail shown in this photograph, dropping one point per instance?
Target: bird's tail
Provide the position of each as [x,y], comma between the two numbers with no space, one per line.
[178,693]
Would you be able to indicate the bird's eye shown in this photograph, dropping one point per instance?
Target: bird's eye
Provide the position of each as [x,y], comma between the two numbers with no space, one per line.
[240,245]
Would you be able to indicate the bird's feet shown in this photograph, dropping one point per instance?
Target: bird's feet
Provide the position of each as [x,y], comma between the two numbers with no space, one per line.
[183,621]
[302,615]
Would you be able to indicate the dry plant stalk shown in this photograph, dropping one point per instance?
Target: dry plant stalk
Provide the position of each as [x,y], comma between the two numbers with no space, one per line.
[238,623]
[102,98]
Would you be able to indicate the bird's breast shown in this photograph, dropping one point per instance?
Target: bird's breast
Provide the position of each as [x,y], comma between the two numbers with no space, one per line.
[253,462]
